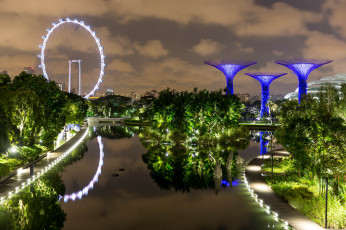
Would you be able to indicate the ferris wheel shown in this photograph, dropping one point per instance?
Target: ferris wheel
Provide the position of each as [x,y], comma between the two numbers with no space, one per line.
[68,42]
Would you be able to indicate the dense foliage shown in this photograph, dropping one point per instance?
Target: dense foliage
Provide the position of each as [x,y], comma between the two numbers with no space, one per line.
[314,133]
[306,195]
[194,113]
[33,113]
[37,206]
[111,106]
[184,167]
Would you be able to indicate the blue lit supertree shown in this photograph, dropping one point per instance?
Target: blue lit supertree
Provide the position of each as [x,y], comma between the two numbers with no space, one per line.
[230,69]
[302,68]
[263,143]
[265,79]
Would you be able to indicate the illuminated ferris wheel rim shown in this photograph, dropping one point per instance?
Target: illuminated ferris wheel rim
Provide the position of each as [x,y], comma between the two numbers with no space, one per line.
[92,33]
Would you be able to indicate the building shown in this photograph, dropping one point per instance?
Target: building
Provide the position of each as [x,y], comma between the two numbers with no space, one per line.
[4,72]
[61,86]
[314,86]
[109,92]
[29,70]
[153,93]
[244,97]
[277,97]
[134,96]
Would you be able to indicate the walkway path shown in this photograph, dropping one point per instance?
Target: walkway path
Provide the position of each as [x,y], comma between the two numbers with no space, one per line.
[24,174]
[295,218]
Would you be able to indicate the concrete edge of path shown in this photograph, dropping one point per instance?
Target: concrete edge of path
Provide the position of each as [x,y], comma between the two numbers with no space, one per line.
[295,218]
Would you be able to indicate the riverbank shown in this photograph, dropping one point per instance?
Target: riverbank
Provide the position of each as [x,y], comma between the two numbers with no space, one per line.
[24,176]
[257,183]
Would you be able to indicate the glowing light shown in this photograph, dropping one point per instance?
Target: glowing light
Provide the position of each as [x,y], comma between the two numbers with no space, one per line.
[86,189]
[253,168]
[34,177]
[230,69]
[265,79]
[92,33]
[13,149]
[302,68]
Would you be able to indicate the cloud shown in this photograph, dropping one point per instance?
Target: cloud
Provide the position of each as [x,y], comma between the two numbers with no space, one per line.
[51,8]
[319,45]
[121,66]
[114,44]
[207,47]
[279,20]
[335,10]
[152,48]
[180,11]
[244,17]
[10,63]
[243,49]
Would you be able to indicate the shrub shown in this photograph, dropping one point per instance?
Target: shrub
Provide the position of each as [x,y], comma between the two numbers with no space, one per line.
[4,169]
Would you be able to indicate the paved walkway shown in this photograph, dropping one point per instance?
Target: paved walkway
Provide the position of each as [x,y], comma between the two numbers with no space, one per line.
[295,218]
[23,175]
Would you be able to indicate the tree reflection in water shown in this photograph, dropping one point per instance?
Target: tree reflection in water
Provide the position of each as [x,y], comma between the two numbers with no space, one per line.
[37,206]
[199,164]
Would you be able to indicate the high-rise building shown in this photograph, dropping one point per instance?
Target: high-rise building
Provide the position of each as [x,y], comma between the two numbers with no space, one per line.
[29,69]
[244,97]
[109,92]
[61,86]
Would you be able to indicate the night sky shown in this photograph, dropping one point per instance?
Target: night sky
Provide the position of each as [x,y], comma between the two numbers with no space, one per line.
[155,44]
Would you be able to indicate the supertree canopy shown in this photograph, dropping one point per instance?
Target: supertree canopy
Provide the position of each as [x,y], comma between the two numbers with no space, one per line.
[302,68]
[230,69]
[265,79]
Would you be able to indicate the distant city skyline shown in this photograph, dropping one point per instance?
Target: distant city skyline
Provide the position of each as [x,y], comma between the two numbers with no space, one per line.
[152,44]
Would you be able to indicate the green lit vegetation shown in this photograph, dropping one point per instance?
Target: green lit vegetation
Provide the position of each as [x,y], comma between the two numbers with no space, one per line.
[112,106]
[202,114]
[314,133]
[183,165]
[307,194]
[37,206]
[193,140]
[33,112]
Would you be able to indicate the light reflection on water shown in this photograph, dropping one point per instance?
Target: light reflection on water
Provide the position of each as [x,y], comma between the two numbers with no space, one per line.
[190,188]
[133,200]
[85,190]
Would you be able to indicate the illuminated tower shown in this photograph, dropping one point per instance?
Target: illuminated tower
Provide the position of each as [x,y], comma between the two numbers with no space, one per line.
[230,69]
[265,79]
[302,68]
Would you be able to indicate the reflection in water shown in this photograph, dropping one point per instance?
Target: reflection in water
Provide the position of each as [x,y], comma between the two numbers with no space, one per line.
[134,200]
[189,166]
[266,141]
[263,143]
[37,206]
[114,132]
[94,180]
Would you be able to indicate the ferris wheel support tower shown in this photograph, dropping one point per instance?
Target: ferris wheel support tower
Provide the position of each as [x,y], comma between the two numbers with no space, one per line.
[79,76]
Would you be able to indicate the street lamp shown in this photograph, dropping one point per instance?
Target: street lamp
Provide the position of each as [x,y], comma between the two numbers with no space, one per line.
[13,149]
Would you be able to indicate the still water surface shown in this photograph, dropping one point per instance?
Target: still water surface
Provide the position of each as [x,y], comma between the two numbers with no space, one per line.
[127,195]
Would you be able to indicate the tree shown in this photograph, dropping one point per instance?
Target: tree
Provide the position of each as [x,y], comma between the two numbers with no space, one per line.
[314,135]
[76,109]
[26,112]
[4,79]
[52,104]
